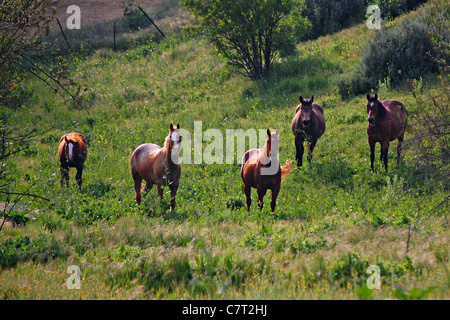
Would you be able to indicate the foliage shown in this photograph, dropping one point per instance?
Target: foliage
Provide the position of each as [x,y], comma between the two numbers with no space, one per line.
[22,248]
[404,50]
[413,294]
[250,33]
[393,8]
[331,16]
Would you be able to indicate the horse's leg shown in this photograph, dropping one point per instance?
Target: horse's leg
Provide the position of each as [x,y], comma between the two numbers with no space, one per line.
[78,176]
[248,195]
[148,187]
[137,179]
[372,153]
[261,193]
[299,149]
[173,191]
[311,146]
[160,190]
[275,192]
[64,175]
[399,148]
[381,152]
[385,146]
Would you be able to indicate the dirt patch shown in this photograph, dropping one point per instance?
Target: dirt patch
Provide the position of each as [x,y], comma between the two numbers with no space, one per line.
[94,11]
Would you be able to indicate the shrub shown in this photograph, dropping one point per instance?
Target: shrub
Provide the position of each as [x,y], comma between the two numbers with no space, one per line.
[251,33]
[393,8]
[403,51]
[398,52]
[332,16]
[19,249]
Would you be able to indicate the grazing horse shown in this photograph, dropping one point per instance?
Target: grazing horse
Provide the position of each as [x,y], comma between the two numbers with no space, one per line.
[158,166]
[308,123]
[72,152]
[261,170]
[387,122]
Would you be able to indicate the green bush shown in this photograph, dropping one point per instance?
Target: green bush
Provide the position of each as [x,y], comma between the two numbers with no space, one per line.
[19,249]
[395,53]
[251,33]
[398,52]
[393,8]
[332,16]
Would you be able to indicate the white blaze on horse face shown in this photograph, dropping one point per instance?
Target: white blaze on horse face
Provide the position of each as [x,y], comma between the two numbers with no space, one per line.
[176,147]
[70,150]
[175,139]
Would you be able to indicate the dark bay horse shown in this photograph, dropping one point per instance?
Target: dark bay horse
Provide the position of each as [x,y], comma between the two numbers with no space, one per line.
[156,165]
[72,152]
[260,169]
[308,123]
[387,122]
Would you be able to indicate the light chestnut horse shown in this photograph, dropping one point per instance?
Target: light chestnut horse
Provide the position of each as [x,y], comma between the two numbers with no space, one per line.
[308,124]
[156,165]
[261,170]
[387,122]
[72,152]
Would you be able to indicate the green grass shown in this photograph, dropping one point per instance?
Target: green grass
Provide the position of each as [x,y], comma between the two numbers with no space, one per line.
[333,218]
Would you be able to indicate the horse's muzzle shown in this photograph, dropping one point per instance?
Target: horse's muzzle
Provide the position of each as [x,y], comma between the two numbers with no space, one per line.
[306,123]
[371,120]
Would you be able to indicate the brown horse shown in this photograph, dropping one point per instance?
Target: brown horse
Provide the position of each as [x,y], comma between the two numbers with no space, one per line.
[72,152]
[261,170]
[387,122]
[308,123]
[158,166]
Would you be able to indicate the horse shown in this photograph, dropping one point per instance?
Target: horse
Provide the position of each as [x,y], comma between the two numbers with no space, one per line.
[254,161]
[387,122]
[158,165]
[308,123]
[72,152]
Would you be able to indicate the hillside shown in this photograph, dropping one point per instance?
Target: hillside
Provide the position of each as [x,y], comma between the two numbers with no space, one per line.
[334,218]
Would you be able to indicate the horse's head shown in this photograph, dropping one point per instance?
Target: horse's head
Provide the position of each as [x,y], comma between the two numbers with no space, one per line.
[273,143]
[306,110]
[175,138]
[70,149]
[372,108]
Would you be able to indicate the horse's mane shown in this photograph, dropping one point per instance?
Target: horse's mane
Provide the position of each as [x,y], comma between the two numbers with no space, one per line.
[381,109]
[264,150]
[74,137]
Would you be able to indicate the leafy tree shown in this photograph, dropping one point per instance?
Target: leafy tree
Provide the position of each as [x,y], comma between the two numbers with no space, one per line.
[23,24]
[250,33]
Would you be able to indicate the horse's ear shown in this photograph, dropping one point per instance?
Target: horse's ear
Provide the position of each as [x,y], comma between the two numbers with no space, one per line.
[368,96]
[301,99]
[376,96]
[312,99]
[171,126]
[268,132]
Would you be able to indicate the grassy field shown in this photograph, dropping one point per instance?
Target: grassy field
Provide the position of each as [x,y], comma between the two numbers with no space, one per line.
[334,218]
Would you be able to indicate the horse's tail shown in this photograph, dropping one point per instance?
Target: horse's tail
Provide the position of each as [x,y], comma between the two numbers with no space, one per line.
[404,117]
[286,169]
